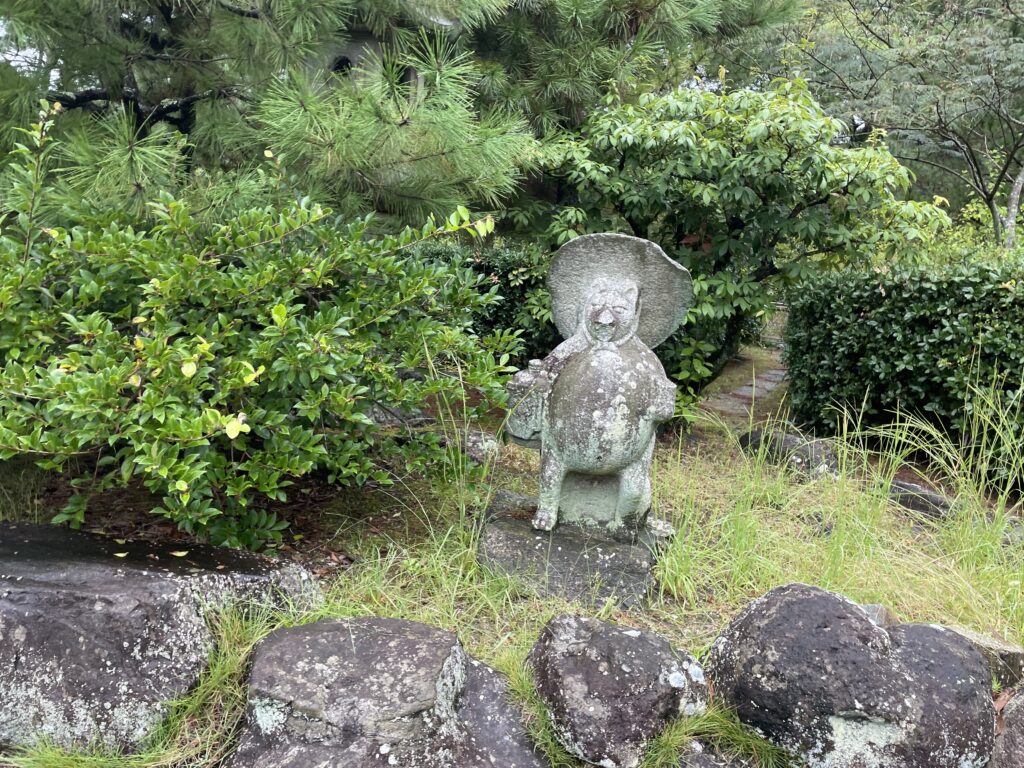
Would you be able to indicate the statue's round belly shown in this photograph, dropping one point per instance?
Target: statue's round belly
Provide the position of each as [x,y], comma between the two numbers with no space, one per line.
[596,412]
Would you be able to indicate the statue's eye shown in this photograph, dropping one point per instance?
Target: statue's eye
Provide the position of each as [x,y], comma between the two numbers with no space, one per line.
[619,308]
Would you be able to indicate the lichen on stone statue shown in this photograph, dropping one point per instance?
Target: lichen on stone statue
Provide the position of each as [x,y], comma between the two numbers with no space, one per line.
[593,405]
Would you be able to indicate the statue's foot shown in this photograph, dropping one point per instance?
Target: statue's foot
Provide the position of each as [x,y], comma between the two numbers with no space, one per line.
[545,520]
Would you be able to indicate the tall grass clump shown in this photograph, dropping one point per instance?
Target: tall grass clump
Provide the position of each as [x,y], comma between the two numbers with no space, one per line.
[746,526]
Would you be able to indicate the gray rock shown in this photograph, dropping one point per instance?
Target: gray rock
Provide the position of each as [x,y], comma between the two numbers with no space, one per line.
[808,669]
[808,458]
[392,418]
[702,757]
[372,691]
[918,498]
[96,637]
[609,690]
[1006,660]
[594,403]
[493,724]
[1009,749]
[571,562]
[481,447]
[879,615]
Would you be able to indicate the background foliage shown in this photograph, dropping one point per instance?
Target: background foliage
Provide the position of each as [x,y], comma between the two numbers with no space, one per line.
[746,188]
[403,107]
[945,81]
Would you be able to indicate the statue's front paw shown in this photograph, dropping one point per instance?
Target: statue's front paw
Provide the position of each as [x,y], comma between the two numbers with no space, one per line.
[545,520]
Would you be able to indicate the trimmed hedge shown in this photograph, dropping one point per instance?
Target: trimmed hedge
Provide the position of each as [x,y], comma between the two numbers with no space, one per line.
[907,338]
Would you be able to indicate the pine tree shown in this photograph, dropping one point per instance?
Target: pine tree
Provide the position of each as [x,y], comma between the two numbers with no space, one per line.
[407,108]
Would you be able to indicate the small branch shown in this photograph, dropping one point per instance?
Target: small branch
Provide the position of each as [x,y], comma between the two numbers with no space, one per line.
[80,99]
[159,112]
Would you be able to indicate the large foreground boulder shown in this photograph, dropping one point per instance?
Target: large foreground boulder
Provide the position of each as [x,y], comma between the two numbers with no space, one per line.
[609,689]
[810,671]
[97,636]
[374,691]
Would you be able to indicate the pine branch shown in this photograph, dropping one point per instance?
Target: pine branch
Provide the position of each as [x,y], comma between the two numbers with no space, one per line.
[89,96]
[77,100]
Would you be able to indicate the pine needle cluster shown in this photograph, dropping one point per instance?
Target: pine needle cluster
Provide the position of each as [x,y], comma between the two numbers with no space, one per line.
[406,107]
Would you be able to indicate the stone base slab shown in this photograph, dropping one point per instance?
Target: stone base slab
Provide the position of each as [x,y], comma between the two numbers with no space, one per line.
[570,561]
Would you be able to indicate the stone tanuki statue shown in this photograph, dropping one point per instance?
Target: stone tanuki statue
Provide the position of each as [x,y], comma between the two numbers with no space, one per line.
[592,406]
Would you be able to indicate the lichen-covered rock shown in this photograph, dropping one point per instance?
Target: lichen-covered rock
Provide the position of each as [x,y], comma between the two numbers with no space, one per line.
[808,458]
[811,672]
[609,689]
[372,691]
[97,636]
[1009,749]
[1005,659]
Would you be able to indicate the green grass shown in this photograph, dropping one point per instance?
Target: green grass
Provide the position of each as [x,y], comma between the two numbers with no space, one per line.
[744,527]
[21,490]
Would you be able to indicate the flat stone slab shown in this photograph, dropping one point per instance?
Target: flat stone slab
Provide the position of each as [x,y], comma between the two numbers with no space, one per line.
[569,562]
[97,636]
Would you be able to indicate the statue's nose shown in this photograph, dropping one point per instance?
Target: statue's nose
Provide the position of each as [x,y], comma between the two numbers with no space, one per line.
[605,317]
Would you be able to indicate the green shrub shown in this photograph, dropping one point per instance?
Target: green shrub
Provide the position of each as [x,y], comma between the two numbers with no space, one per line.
[746,188]
[914,338]
[518,269]
[220,362]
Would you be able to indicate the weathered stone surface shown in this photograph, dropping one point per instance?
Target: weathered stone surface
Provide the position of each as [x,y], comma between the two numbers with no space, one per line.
[702,757]
[594,403]
[918,498]
[96,636]
[879,615]
[809,458]
[493,725]
[809,670]
[609,689]
[667,287]
[481,447]
[372,691]
[1006,660]
[571,562]
[1009,749]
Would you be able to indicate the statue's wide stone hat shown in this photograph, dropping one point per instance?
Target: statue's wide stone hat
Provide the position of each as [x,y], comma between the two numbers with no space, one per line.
[666,290]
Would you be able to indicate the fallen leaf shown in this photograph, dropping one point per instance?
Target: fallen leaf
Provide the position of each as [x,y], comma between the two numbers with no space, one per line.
[120,554]
[180,553]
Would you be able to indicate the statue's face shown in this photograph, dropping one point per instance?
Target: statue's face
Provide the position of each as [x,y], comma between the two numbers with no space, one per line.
[610,312]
